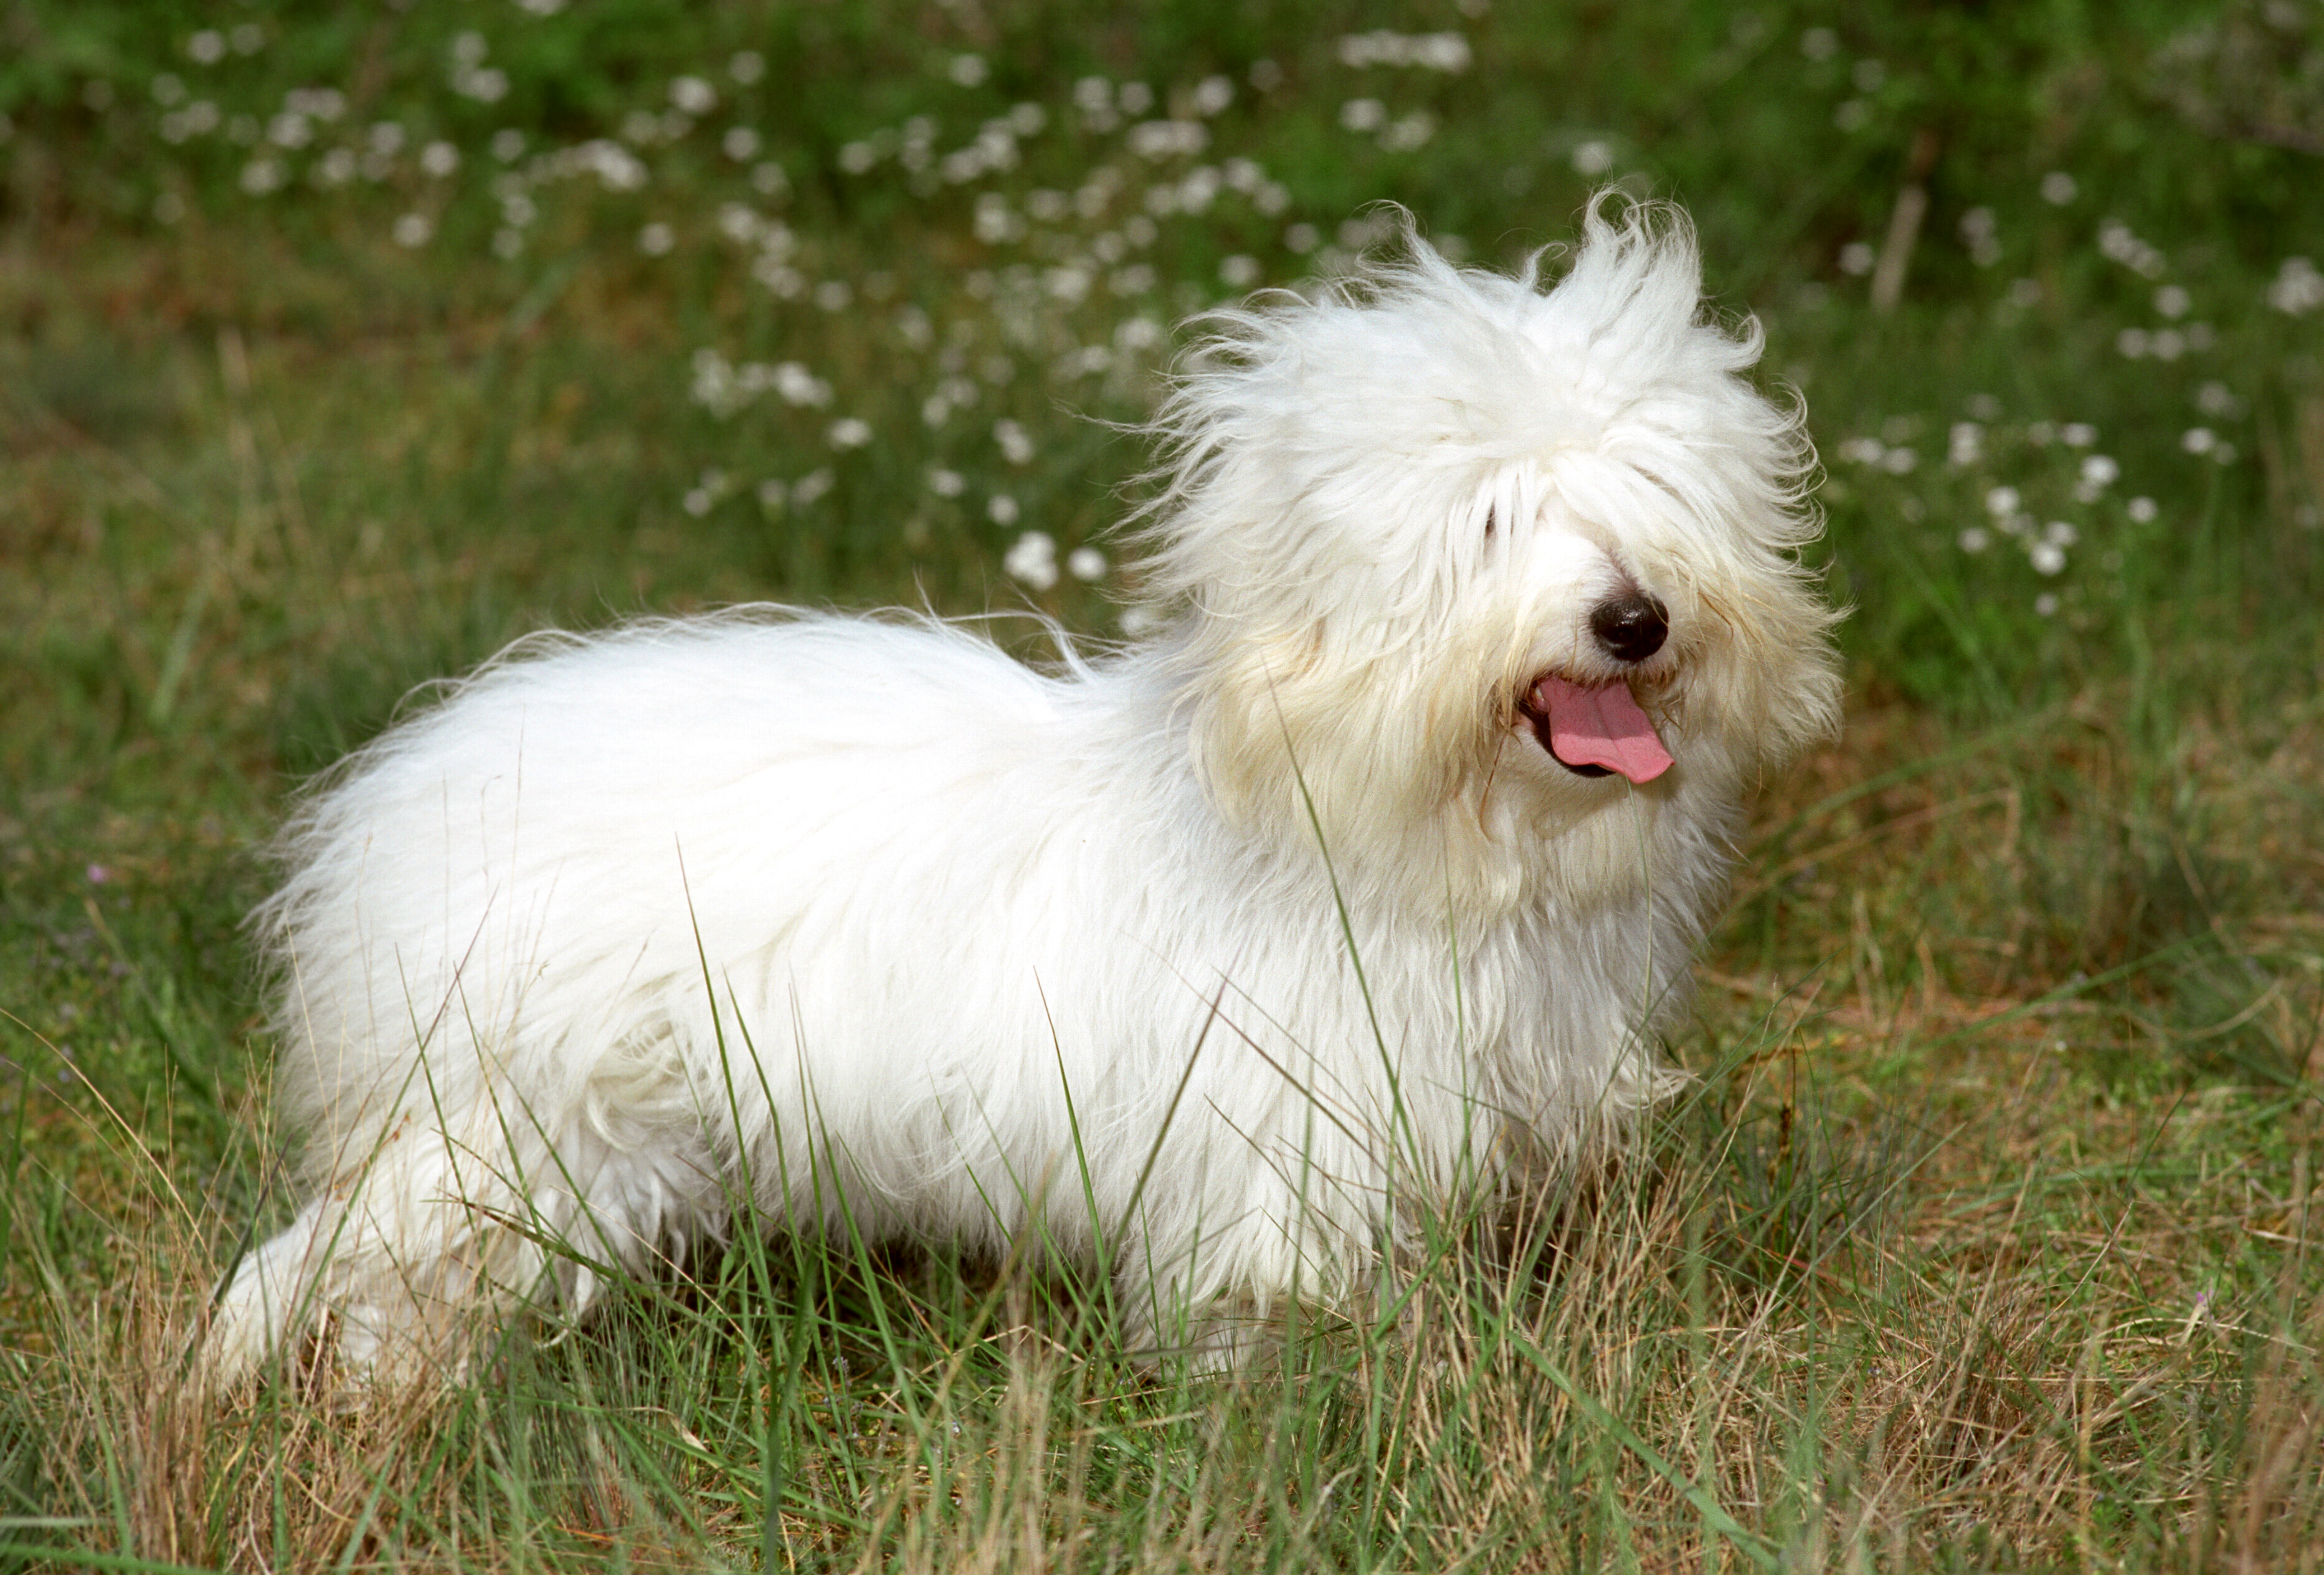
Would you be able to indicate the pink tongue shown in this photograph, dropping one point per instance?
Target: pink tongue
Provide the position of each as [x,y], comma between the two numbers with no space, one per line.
[1600,725]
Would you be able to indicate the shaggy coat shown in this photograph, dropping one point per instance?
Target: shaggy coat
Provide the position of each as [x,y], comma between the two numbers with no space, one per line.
[1222,953]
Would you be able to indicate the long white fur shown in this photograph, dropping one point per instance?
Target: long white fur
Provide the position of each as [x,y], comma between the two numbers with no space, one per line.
[1283,912]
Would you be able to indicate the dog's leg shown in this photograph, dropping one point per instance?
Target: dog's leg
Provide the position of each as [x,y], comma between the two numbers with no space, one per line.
[399,1260]
[271,1293]
[406,1257]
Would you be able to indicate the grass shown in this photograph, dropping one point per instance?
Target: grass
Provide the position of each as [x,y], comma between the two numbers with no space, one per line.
[1984,1242]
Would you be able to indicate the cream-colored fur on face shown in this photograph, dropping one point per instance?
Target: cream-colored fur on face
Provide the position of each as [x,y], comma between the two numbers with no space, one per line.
[855,923]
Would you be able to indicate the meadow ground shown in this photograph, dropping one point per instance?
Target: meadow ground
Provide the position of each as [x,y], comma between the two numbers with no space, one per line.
[339,346]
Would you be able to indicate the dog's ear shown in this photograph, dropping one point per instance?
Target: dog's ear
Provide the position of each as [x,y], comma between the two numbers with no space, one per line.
[1781,684]
[1301,738]
[1256,732]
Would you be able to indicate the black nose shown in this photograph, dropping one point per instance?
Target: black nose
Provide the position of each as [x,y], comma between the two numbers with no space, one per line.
[1633,628]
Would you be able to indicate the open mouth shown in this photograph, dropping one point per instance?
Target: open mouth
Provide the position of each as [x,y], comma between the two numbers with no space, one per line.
[1595,729]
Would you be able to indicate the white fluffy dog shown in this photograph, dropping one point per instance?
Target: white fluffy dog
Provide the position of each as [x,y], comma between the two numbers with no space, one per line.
[1366,883]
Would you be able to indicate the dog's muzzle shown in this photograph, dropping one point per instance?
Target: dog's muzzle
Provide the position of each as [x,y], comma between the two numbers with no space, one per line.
[1597,729]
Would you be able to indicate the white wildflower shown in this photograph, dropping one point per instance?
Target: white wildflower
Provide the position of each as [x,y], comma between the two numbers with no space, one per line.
[485,85]
[739,222]
[798,385]
[1163,139]
[994,223]
[1411,132]
[1980,232]
[2297,288]
[2117,243]
[1436,51]
[1016,443]
[714,386]
[1033,559]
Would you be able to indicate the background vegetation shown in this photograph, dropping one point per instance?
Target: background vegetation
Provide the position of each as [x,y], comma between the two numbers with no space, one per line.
[340,344]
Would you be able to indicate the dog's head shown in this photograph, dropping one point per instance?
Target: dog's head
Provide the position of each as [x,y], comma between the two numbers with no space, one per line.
[1466,563]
